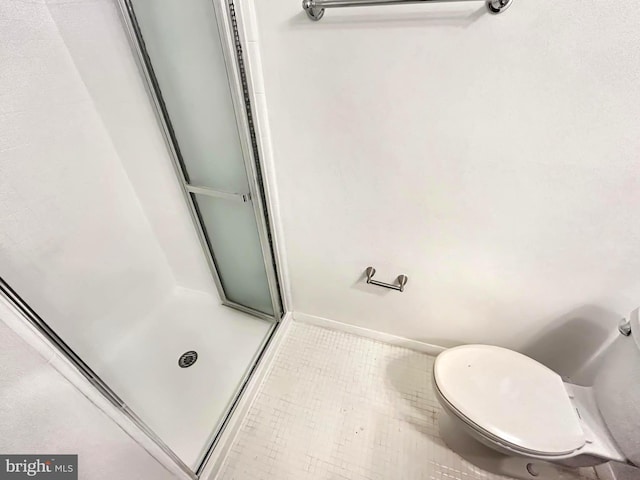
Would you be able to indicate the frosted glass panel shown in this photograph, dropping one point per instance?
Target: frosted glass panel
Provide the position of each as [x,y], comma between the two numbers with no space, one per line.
[184,46]
[233,235]
[185,50]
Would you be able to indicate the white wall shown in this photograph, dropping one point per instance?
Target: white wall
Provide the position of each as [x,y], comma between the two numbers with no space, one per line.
[43,413]
[492,159]
[94,230]
[93,35]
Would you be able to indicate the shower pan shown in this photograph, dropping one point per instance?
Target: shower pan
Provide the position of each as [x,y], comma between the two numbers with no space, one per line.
[152,269]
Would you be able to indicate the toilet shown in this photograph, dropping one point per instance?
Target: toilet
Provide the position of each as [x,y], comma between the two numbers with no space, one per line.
[511,415]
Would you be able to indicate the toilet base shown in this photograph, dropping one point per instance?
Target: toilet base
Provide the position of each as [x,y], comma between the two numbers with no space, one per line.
[495,462]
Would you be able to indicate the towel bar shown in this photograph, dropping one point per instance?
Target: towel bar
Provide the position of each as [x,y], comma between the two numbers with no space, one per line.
[315,8]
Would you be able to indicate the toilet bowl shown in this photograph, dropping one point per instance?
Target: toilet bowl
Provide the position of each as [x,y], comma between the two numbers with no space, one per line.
[521,410]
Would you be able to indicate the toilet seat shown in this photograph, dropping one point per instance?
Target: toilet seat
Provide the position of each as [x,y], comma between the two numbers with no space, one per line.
[510,397]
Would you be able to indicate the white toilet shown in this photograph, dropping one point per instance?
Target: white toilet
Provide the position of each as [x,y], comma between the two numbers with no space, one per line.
[529,418]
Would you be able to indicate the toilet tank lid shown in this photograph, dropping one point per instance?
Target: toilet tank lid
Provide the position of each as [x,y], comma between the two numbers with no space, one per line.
[510,396]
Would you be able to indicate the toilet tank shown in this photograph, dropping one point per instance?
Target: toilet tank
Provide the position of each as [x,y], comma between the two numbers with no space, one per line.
[617,391]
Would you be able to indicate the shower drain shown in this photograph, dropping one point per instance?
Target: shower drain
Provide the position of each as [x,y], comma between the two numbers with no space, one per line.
[188,358]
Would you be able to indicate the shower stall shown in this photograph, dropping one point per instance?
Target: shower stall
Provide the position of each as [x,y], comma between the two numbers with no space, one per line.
[137,238]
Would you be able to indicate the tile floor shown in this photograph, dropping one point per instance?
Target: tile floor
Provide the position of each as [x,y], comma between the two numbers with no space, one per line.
[337,406]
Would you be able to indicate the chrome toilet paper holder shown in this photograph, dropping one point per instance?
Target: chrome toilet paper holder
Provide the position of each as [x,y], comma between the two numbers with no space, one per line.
[401,280]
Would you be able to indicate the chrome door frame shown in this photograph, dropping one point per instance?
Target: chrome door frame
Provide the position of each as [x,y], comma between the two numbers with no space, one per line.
[238,84]
[240,88]
[244,115]
[85,370]
[245,119]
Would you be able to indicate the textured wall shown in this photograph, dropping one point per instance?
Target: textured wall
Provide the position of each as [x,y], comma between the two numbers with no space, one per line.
[492,159]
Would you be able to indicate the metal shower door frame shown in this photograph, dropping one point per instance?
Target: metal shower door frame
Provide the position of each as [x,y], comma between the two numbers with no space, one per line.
[238,84]
[12,298]
[240,89]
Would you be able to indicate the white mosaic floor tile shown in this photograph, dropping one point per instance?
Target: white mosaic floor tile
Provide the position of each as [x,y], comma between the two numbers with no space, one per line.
[340,407]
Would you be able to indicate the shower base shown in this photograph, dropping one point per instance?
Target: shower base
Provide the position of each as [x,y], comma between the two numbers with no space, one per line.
[184,405]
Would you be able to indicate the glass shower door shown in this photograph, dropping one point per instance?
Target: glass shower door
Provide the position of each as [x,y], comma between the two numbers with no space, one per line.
[193,74]
[97,244]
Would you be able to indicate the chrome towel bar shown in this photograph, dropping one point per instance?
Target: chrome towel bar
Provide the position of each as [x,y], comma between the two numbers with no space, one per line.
[401,279]
[315,8]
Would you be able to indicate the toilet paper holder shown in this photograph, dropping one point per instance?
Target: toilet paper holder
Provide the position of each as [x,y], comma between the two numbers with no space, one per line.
[401,280]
